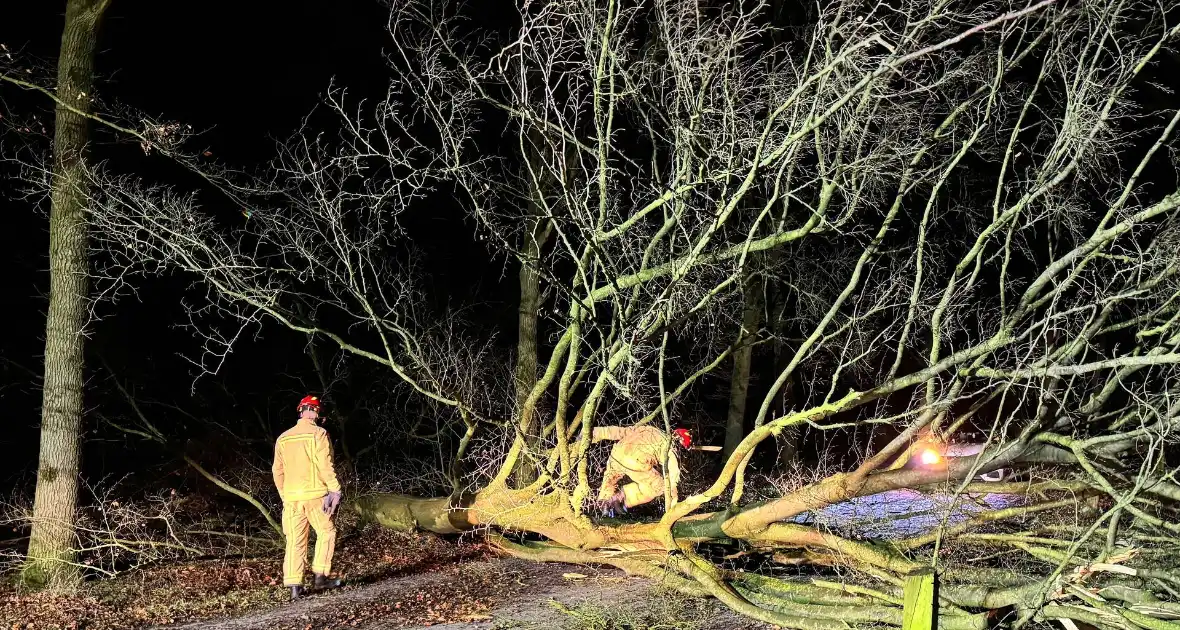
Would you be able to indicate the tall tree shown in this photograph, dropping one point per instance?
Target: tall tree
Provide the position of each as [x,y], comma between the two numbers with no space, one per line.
[776,294]
[539,186]
[50,555]
[739,382]
[535,234]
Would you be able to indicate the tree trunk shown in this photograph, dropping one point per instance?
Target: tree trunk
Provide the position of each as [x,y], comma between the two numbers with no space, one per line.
[641,549]
[788,440]
[50,559]
[526,339]
[739,382]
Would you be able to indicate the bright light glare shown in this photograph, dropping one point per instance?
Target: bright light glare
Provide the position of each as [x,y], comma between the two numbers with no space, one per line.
[930,457]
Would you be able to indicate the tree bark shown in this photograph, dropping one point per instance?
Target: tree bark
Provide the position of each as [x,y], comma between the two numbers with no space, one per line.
[788,440]
[642,549]
[50,559]
[536,233]
[739,382]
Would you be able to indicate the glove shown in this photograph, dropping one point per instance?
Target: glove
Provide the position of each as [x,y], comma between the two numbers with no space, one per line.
[615,505]
[330,502]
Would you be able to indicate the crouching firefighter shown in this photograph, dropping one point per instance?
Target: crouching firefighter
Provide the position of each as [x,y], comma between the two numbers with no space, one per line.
[637,454]
[307,483]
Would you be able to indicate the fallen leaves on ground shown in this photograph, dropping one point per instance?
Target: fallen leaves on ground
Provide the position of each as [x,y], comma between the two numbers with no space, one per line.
[186,591]
[463,592]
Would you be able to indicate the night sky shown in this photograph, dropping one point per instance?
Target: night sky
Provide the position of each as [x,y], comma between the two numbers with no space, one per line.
[246,73]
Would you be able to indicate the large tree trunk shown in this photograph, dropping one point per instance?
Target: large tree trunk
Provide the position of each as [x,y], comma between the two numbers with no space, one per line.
[642,548]
[739,382]
[788,440]
[536,231]
[50,555]
[526,339]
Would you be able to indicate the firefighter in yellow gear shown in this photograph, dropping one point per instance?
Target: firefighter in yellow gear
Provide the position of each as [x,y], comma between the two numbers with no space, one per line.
[307,483]
[638,454]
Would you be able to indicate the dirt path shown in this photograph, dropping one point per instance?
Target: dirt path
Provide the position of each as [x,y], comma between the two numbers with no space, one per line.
[637,602]
[513,594]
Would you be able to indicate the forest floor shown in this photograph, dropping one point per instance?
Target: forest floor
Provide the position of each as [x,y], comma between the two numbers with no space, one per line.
[393,580]
[513,594]
[397,580]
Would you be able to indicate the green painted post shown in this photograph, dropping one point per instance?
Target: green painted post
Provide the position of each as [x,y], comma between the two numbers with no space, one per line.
[920,611]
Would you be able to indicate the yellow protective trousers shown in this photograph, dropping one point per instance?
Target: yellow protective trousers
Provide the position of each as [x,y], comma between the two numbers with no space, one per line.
[297,515]
[646,485]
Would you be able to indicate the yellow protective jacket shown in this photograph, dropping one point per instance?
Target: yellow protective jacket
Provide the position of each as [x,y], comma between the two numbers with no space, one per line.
[303,463]
[637,454]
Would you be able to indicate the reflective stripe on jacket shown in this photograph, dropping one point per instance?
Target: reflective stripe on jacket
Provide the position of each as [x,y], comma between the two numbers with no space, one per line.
[303,463]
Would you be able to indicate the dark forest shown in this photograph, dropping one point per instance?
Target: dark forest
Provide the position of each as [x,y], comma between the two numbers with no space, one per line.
[591,314]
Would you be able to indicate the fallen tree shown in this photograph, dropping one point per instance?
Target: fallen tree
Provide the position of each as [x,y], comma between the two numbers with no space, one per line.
[968,207]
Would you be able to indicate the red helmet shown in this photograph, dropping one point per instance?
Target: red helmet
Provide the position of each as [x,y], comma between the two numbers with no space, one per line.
[684,436]
[309,402]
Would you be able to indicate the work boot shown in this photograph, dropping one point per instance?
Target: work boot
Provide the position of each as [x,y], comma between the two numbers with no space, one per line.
[323,582]
[296,592]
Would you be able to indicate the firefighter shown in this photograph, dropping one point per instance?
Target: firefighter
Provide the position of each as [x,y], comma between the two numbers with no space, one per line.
[637,453]
[307,483]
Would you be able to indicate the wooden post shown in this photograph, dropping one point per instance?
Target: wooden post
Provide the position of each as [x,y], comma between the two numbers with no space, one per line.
[921,609]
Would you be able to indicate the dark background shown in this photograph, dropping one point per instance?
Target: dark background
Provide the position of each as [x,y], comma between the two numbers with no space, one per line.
[244,73]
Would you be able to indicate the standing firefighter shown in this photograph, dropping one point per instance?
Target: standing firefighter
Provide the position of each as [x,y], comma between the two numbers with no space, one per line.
[307,483]
[637,453]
